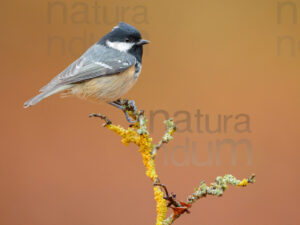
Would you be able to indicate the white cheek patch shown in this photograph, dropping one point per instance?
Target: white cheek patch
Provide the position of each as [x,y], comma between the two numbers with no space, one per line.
[121,46]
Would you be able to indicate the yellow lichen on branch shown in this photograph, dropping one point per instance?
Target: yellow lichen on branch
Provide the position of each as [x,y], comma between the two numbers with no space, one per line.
[144,142]
[243,183]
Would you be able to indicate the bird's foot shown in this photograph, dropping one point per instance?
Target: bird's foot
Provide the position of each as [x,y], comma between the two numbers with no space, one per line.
[128,107]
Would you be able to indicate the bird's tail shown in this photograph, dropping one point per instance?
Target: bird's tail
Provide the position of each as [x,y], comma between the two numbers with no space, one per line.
[44,94]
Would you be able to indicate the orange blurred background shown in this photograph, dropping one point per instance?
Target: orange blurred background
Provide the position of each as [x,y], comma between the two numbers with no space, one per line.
[58,167]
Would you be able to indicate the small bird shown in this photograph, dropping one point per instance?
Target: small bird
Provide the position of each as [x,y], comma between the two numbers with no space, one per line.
[105,72]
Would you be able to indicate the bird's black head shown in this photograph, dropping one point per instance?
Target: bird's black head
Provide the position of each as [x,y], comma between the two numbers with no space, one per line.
[125,38]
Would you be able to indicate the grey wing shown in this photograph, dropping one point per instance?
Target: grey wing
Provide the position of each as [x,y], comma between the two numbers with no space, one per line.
[95,62]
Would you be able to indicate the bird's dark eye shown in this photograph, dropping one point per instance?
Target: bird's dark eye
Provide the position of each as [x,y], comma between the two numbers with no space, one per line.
[127,40]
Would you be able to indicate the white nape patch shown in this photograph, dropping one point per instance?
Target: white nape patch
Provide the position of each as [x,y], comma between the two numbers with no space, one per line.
[121,46]
[104,65]
[115,27]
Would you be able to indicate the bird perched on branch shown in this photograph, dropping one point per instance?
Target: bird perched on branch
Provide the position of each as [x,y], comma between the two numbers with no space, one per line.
[105,72]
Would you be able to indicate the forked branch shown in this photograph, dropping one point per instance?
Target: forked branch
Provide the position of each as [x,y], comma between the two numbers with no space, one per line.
[138,134]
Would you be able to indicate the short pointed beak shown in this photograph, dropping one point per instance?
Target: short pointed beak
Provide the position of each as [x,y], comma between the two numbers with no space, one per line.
[143,42]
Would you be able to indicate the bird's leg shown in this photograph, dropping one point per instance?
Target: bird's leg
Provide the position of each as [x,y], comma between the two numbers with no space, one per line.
[125,106]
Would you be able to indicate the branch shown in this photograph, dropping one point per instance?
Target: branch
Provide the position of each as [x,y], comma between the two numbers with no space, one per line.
[138,134]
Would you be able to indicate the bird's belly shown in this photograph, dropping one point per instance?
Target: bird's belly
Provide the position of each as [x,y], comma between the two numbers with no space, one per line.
[106,88]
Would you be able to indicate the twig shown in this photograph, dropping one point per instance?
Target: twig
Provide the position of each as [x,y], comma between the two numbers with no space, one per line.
[170,129]
[107,121]
[217,189]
